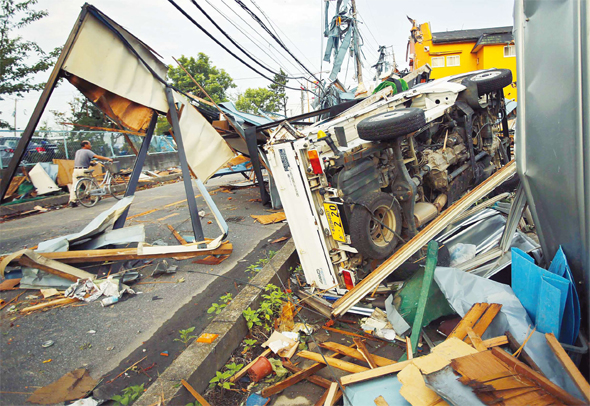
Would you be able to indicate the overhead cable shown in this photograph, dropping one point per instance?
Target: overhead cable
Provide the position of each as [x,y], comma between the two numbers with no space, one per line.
[273,36]
[236,44]
[192,20]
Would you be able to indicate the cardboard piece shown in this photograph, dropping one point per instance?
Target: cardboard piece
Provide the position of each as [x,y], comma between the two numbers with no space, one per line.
[73,385]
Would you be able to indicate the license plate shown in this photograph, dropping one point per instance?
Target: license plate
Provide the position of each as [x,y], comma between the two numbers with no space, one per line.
[335,221]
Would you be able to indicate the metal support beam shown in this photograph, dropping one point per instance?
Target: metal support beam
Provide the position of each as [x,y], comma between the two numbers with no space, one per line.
[186,173]
[39,108]
[137,167]
[250,135]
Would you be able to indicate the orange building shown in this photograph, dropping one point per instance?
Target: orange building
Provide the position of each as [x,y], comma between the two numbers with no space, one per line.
[453,52]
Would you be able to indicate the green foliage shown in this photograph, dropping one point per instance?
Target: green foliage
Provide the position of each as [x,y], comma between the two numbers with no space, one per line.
[221,379]
[130,395]
[278,89]
[185,336]
[260,98]
[218,307]
[256,267]
[251,317]
[274,297]
[249,343]
[20,60]
[215,81]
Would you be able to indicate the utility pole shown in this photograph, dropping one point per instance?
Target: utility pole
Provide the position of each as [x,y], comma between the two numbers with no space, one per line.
[14,114]
[357,56]
[302,99]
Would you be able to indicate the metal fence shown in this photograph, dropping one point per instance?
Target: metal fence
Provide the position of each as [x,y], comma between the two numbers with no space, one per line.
[45,146]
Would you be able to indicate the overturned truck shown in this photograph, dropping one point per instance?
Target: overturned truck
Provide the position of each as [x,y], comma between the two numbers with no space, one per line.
[356,186]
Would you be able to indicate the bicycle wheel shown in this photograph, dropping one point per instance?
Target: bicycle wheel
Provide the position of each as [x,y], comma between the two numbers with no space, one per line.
[84,188]
[118,186]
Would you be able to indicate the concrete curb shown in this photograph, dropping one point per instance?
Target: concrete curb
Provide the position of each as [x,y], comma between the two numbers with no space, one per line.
[199,362]
[63,199]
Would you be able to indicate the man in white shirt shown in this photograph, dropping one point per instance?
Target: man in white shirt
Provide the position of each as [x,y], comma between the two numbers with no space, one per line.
[82,163]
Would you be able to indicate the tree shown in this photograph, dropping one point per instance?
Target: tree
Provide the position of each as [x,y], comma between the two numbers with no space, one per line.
[278,89]
[215,81]
[16,70]
[253,99]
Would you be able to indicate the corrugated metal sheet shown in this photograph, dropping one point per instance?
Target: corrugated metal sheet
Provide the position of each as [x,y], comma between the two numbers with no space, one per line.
[553,133]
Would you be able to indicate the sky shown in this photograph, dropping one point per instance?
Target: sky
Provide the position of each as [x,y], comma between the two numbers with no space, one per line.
[299,23]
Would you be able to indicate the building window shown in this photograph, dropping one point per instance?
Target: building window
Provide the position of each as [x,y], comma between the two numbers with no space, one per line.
[454,60]
[438,61]
[509,50]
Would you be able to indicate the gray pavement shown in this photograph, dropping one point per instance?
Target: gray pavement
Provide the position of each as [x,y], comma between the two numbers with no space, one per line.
[142,325]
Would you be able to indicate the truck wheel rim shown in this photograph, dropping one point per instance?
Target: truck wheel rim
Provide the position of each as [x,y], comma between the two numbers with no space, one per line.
[380,235]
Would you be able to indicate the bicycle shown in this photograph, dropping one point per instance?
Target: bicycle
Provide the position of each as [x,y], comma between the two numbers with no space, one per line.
[89,192]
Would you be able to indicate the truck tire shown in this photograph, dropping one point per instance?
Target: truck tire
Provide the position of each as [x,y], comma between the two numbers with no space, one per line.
[392,124]
[490,81]
[368,236]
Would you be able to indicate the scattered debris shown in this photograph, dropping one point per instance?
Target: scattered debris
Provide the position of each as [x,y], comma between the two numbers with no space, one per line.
[269,218]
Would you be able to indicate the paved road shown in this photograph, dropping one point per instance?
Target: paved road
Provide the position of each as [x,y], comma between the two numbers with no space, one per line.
[143,325]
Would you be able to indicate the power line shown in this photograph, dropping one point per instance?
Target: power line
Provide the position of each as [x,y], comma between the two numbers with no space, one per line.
[223,46]
[236,44]
[250,38]
[278,40]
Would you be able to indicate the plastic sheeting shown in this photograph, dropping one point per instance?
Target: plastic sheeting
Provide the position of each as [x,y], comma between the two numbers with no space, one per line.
[463,290]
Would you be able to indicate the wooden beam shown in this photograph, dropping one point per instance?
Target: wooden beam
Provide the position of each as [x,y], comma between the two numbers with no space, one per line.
[522,369]
[297,377]
[569,366]
[409,352]
[196,394]
[495,342]
[124,254]
[356,354]
[315,379]
[56,302]
[28,262]
[468,321]
[178,237]
[336,363]
[374,373]
[483,323]
[367,356]
[348,333]
[243,371]
[476,340]
[331,398]
[515,345]
[373,280]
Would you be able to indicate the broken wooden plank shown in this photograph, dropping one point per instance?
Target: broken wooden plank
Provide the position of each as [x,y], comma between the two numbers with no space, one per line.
[367,356]
[348,333]
[373,280]
[315,379]
[374,373]
[569,366]
[380,401]
[196,394]
[495,342]
[486,319]
[178,237]
[414,389]
[270,218]
[315,303]
[522,369]
[472,316]
[124,254]
[297,377]
[56,302]
[9,284]
[34,260]
[331,398]
[514,346]
[243,371]
[356,354]
[476,340]
[409,352]
[333,362]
